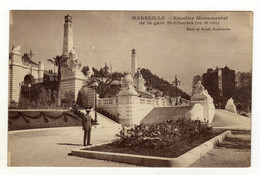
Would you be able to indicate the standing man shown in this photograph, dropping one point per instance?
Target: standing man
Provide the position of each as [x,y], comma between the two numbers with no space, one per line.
[86,123]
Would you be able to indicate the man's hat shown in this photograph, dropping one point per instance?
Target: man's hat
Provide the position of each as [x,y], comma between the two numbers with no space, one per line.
[88,110]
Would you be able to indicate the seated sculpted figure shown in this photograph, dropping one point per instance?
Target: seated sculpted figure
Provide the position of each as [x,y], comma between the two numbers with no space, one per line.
[198,88]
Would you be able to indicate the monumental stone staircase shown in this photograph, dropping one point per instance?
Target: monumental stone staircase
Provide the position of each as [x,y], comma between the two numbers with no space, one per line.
[226,119]
[105,122]
[160,114]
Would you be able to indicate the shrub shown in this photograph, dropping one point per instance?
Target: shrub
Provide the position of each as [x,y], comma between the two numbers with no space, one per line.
[69,99]
[161,135]
[13,104]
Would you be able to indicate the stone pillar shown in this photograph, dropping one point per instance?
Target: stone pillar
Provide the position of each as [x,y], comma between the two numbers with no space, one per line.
[72,79]
[16,74]
[40,69]
[68,35]
[202,98]
[134,62]
[126,100]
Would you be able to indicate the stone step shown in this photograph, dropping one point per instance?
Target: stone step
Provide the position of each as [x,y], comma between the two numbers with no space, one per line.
[104,121]
[160,114]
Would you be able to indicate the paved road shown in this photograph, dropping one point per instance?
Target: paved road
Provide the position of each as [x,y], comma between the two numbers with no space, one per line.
[233,152]
[50,147]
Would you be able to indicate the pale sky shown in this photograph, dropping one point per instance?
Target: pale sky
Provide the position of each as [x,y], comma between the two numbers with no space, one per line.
[166,50]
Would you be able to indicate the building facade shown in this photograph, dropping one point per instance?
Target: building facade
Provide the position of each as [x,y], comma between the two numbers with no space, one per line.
[23,72]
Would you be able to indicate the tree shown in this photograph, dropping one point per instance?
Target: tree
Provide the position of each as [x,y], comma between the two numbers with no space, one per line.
[155,82]
[68,99]
[117,75]
[243,90]
[96,73]
[44,98]
[85,70]
[59,61]
[105,87]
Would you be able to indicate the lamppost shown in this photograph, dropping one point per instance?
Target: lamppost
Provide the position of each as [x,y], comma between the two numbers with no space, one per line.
[175,83]
[95,85]
[29,86]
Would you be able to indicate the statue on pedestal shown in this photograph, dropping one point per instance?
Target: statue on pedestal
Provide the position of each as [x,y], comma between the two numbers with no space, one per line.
[230,106]
[202,103]
[16,49]
[198,88]
[128,86]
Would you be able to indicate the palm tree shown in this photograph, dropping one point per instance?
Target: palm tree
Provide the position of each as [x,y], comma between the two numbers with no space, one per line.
[59,62]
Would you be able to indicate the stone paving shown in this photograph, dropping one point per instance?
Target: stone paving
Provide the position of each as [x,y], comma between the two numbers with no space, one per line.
[233,152]
[50,147]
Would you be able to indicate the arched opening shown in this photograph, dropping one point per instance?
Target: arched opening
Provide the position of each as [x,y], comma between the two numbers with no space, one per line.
[29,78]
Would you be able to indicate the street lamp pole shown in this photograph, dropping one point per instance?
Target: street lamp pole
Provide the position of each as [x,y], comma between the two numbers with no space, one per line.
[95,103]
[175,83]
[29,86]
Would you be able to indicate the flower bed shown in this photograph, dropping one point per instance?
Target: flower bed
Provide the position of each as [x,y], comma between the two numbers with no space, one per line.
[168,139]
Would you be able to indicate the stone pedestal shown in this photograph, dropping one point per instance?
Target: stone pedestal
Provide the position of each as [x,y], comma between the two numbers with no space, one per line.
[71,81]
[202,101]
[127,97]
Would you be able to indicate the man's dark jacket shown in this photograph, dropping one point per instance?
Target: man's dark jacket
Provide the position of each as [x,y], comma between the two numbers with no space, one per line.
[86,119]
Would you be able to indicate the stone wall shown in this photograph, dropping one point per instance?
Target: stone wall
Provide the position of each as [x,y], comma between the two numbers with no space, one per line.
[141,108]
[108,104]
[131,108]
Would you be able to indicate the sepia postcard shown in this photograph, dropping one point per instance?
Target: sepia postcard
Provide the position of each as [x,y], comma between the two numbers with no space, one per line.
[130,88]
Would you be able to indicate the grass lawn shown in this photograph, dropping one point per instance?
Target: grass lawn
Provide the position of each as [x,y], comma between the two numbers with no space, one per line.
[169,152]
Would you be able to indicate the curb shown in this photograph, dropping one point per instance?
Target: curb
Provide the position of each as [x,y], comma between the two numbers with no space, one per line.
[43,129]
[233,128]
[184,160]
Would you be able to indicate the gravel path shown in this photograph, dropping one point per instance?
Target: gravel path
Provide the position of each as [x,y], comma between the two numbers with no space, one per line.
[233,152]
